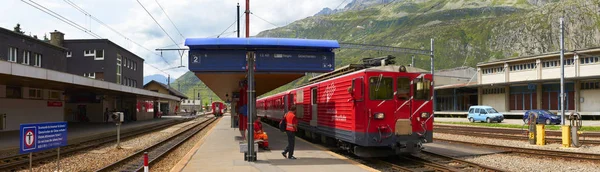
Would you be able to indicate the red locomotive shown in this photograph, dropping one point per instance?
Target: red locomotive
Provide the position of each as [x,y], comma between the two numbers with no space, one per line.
[365,109]
[218,108]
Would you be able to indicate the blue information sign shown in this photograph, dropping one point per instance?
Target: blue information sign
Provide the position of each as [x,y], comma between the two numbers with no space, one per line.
[42,136]
[217,61]
[294,61]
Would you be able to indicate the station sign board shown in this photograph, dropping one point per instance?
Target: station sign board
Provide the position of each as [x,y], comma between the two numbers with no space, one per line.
[217,60]
[294,61]
[42,136]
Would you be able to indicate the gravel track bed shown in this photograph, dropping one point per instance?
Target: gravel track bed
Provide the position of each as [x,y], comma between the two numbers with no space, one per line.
[516,143]
[519,163]
[96,158]
[173,157]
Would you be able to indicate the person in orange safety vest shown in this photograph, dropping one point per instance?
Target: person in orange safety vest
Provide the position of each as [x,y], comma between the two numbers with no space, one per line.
[259,134]
[290,130]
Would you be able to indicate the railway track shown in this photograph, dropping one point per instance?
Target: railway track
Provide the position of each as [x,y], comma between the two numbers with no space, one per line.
[508,134]
[429,161]
[156,151]
[535,152]
[20,162]
[439,127]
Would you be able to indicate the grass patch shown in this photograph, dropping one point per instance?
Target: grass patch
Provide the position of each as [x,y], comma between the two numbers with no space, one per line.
[500,125]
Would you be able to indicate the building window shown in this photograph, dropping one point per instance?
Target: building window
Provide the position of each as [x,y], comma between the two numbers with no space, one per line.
[119,58]
[134,66]
[35,93]
[493,91]
[520,67]
[590,85]
[26,55]
[556,63]
[99,55]
[589,60]
[493,70]
[89,53]
[69,54]
[90,75]
[37,60]
[54,95]
[12,54]
[13,92]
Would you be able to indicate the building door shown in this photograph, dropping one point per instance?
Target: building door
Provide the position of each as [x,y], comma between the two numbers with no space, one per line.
[313,106]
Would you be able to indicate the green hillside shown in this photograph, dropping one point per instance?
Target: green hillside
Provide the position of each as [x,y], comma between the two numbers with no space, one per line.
[189,84]
[466,32]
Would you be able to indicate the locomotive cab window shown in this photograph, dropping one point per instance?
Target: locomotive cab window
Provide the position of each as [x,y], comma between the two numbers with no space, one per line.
[403,91]
[422,89]
[381,88]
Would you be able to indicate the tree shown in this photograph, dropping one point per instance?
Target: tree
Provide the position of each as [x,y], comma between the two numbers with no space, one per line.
[18,29]
[46,37]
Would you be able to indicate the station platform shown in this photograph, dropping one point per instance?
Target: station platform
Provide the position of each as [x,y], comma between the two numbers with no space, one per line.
[219,151]
[81,132]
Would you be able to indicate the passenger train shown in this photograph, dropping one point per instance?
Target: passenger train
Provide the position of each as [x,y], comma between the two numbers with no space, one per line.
[367,109]
[218,108]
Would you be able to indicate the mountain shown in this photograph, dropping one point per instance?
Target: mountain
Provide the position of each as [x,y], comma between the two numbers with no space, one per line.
[156,77]
[191,86]
[466,32]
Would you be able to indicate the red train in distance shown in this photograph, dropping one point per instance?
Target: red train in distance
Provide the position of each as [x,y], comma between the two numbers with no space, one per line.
[218,108]
[365,109]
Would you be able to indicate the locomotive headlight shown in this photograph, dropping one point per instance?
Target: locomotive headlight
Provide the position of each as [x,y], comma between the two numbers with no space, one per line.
[425,115]
[379,115]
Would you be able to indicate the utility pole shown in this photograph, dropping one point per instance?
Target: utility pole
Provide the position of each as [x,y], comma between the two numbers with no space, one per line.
[562,70]
[247,18]
[250,56]
[432,76]
[238,19]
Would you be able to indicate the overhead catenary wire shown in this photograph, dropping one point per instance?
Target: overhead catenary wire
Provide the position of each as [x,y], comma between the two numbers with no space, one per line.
[61,18]
[263,19]
[114,30]
[163,10]
[155,21]
[235,21]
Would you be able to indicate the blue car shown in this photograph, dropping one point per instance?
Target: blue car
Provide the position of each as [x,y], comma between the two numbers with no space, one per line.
[544,117]
[484,114]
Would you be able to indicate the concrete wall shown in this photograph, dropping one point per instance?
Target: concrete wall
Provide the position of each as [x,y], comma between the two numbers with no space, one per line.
[526,75]
[492,78]
[554,72]
[498,101]
[588,69]
[591,100]
[19,111]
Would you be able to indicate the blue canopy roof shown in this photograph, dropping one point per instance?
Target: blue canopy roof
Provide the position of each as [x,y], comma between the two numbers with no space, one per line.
[222,43]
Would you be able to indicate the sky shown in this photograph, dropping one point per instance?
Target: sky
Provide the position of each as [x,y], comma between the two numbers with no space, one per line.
[193,19]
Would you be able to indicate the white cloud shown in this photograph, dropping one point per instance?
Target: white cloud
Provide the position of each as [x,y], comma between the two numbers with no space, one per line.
[194,18]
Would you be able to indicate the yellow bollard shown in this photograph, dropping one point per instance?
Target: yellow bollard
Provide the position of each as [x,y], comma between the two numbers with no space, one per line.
[566,136]
[541,134]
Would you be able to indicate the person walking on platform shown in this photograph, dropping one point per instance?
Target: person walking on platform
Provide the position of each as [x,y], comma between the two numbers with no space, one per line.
[290,130]
[259,134]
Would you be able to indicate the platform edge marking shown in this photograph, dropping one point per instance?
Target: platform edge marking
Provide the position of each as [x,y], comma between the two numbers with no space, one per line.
[188,156]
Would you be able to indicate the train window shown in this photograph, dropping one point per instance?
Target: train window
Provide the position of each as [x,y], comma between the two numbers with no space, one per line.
[403,88]
[381,88]
[314,96]
[422,89]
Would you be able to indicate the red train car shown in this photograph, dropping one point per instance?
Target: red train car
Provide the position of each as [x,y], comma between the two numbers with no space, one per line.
[365,110]
[218,108]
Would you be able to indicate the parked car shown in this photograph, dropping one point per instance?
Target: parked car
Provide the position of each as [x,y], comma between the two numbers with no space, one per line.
[484,114]
[544,117]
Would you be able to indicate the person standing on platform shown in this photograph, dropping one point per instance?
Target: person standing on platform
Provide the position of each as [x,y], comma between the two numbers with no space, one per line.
[259,134]
[106,114]
[290,130]
[242,111]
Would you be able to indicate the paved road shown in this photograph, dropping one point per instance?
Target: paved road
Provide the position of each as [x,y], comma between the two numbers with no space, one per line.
[511,121]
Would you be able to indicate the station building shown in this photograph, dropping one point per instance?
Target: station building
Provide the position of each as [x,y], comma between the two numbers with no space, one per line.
[515,85]
[69,80]
[166,106]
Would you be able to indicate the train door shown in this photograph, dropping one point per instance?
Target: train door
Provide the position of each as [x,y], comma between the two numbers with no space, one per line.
[313,106]
[421,101]
[286,105]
